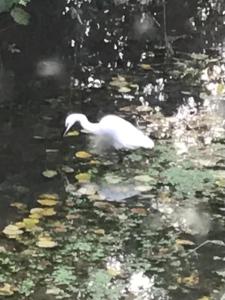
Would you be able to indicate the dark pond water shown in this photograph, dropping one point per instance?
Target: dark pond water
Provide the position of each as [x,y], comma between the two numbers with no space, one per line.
[80,224]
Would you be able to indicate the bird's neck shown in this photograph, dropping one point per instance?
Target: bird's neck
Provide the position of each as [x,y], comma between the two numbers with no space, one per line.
[89,126]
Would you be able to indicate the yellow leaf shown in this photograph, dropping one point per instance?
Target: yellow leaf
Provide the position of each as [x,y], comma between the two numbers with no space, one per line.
[37,210]
[19,205]
[49,196]
[20,225]
[12,231]
[83,177]
[139,211]
[72,133]
[46,242]
[35,216]
[83,154]
[94,162]
[30,223]
[99,231]
[113,271]
[47,202]
[6,290]
[124,89]
[49,212]
[184,242]
[191,280]
[49,173]
[145,66]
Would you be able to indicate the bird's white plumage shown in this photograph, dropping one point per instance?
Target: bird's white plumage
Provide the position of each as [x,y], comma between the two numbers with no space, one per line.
[116,131]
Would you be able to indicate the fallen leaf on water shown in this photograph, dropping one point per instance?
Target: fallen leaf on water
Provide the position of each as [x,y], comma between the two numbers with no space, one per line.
[49,173]
[73,216]
[72,133]
[143,178]
[83,154]
[47,212]
[205,298]
[54,291]
[36,210]
[47,202]
[87,189]
[99,231]
[67,169]
[12,231]
[124,89]
[6,289]
[139,210]
[49,196]
[46,242]
[19,205]
[143,188]
[184,242]
[104,206]
[94,162]
[83,177]
[191,280]
[112,178]
[35,216]
[145,66]
[30,223]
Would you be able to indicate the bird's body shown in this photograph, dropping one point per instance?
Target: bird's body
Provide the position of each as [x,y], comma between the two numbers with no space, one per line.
[116,131]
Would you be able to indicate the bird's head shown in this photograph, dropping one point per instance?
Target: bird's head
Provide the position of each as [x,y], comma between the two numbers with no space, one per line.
[69,122]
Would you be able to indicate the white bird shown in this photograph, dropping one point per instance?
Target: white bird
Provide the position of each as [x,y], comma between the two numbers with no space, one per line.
[113,130]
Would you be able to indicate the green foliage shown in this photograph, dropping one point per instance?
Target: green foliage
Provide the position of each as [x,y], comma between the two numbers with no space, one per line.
[63,275]
[27,287]
[15,7]
[100,287]
[6,5]
[188,182]
[20,16]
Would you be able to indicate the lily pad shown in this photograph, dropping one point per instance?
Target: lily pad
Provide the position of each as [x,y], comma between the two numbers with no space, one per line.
[49,173]
[46,242]
[83,154]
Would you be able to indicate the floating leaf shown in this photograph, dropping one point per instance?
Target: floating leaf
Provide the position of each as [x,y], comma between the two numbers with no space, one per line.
[87,189]
[83,177]
[139,210]
[12,231]
[47,202]
[36,210]
[94,162]
[67,169]
[49,196]
[83,154]
[30,223]
[19,205]
[143,178]
[20,16]
[53,291]
[6,290]
[112,178]
[145,66]
[49,173]
[124,89]
[72,133]
[99,231]
[184,242]
[35,216]
[47,212]
[118,82]
[143,188]
[46,242]
[191,280]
